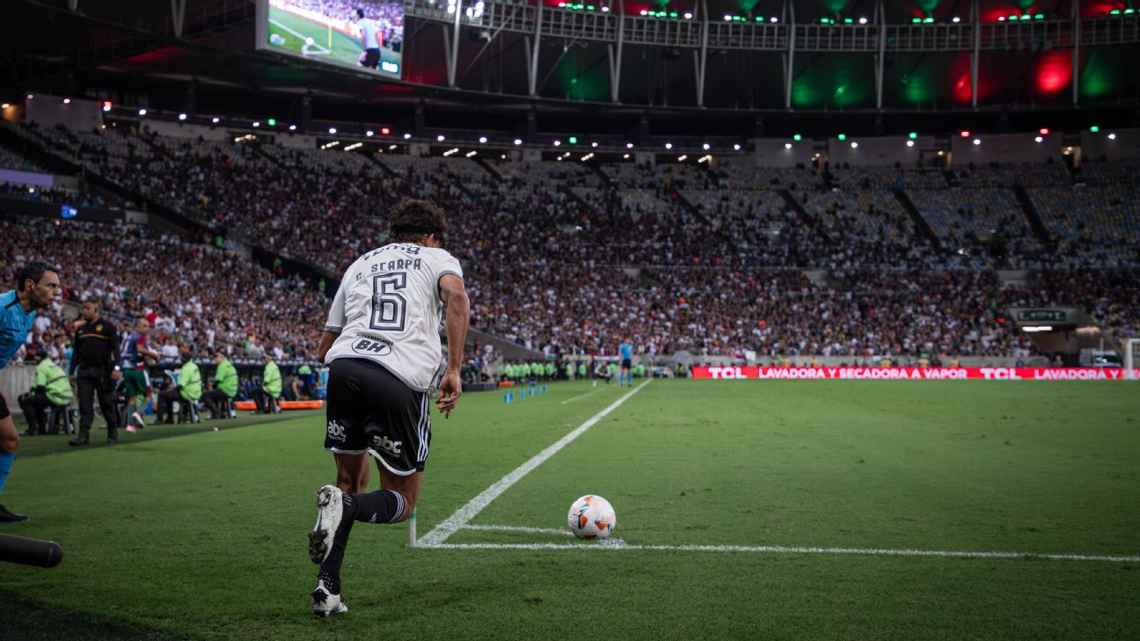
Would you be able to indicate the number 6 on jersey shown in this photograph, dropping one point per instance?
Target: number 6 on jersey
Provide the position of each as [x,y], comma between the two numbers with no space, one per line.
[389,307]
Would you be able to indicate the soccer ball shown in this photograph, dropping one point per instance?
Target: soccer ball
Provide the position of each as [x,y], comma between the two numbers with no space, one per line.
[591,517]
[309,42]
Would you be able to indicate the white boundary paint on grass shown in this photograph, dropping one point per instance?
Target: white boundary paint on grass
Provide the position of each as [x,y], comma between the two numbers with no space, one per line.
[581,396]
[461,520]
[463,515]
[771,549]
[515,528]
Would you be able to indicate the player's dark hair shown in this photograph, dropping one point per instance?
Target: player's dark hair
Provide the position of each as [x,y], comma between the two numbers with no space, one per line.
[33,271]
[413,219]
[360,13]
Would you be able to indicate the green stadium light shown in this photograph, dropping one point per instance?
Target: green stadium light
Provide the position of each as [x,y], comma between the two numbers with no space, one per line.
[842,137]
[1129,12]
[1038,16]
[573,140]
[759,18]
[272,122]
[590,7]
[913,135]
[1094,129]
[674,15]
[1114,12]
[915,20]
[1026,16]
[797,137]
[928,20]
[848,21]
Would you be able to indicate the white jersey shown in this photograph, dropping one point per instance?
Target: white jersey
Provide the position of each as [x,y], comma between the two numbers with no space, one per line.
[388,311]
[368,29]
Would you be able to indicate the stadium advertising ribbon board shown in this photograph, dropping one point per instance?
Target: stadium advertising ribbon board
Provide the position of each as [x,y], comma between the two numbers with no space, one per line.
[738,372]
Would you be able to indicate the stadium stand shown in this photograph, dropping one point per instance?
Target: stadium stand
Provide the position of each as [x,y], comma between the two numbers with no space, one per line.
[680,257]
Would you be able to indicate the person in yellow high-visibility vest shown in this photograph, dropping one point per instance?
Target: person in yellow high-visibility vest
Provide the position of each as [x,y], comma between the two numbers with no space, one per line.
[270,391]
[52,389]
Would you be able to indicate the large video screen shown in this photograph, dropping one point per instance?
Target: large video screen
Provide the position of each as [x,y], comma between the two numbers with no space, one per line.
[362,34]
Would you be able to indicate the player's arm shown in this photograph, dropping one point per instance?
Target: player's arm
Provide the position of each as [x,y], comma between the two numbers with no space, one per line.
[335,322]
[454,297]
[328,337]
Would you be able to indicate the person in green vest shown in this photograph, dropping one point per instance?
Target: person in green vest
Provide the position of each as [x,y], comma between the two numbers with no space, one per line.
[582,369]
[569,371]
[220,398]
[270,389]
[51,389]
[524,372]
[190,385]
[136,388]
[639,371]
[550,369]
[188,388]
[611,372]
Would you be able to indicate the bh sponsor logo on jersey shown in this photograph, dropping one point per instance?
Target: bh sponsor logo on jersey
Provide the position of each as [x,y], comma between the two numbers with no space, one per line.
[336,431]
[386,444]
[372,347]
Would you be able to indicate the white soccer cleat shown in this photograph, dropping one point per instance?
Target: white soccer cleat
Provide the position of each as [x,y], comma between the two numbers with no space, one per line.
[326,603]
[330,510]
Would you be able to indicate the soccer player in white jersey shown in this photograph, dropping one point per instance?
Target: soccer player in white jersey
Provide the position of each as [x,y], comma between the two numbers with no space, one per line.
[382,346]
[368,40]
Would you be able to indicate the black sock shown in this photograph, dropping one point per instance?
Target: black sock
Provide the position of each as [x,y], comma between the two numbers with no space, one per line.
[383,506]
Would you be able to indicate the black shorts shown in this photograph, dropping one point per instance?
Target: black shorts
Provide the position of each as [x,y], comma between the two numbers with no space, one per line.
[4,413]
[369,410]
[371,58]
[626,363]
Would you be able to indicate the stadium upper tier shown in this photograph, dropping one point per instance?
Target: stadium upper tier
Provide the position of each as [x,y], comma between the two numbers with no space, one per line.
[709,259]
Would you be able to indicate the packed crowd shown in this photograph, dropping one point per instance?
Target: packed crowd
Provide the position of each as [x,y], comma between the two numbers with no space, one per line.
[678,257]
[188,293]
[9,160]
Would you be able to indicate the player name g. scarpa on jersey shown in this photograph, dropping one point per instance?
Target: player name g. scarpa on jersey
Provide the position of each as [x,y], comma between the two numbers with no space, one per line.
[388,310]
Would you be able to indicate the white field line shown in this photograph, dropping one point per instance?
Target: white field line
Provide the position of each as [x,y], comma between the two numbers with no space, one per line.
[515,528]
[304,42]
[580,396]
[781,549]
[463,515]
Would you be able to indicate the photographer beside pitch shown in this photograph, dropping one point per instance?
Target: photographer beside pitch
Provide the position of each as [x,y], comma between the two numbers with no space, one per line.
[382,344]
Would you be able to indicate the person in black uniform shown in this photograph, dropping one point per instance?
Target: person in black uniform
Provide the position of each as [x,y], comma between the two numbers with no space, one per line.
[96,352]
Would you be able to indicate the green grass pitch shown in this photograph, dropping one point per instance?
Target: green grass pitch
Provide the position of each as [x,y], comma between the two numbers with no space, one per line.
[201,536]
[328,45]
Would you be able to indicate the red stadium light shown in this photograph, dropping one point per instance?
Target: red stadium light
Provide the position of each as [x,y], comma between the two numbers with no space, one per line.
[384,131]
[1044,131]
[964,133]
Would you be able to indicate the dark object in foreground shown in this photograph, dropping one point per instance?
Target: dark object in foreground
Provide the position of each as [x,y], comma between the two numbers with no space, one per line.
[18,549]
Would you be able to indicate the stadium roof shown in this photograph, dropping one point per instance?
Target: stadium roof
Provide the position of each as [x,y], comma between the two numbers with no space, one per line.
[126,50]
